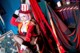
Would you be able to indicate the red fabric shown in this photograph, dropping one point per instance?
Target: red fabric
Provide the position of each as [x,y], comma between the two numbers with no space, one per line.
[21,51]
[61,31]
[25,12]
[77,38]
[13,22]
[30,32]
[40,19]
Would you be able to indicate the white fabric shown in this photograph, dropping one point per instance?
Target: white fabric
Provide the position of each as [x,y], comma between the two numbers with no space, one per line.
[68,2]
[24,28]
[59,4]
[23,47]
[24,7]
[16,12]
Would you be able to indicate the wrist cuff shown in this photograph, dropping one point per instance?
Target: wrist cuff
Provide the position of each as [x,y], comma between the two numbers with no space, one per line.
[14,15]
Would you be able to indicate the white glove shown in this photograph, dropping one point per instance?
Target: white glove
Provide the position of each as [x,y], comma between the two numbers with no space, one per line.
[16,12]
[23,47]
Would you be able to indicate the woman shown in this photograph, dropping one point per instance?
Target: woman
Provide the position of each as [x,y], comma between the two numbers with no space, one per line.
[26,27]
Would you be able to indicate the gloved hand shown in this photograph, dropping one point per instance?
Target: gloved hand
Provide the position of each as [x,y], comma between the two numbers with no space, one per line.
[16,12]
[23,47]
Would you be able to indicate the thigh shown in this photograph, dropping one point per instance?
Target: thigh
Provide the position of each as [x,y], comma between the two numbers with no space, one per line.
[18,39]
[23,37]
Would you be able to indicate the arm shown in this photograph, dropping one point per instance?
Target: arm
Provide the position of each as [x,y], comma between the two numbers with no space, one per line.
[13,19]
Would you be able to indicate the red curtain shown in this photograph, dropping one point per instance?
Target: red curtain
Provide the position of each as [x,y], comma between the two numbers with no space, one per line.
[40,18]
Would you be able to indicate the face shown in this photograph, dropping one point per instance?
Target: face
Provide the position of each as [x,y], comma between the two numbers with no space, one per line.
[24,17]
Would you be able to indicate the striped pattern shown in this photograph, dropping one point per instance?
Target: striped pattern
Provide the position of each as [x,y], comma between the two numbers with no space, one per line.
[24,7]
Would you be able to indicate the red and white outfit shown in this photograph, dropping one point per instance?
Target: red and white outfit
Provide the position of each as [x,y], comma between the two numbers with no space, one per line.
[28,27]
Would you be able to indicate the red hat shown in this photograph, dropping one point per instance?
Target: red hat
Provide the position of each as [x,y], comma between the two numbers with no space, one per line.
[25,9]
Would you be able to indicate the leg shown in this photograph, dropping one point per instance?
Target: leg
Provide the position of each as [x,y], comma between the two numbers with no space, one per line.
[22,42]
[18,39]
[21,49]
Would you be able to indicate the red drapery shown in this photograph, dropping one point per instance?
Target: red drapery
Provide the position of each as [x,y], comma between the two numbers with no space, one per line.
[41,21]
